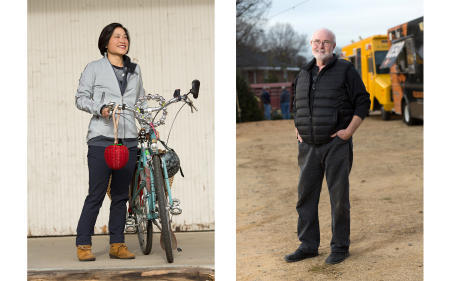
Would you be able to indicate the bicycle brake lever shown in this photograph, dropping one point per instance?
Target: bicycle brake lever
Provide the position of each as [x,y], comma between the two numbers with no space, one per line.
[110,106]
[191,104]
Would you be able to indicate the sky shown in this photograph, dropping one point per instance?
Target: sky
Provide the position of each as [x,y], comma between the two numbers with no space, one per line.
[348,19]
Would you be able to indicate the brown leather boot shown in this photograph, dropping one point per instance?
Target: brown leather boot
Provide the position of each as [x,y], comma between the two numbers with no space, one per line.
[84,253]
[120,251]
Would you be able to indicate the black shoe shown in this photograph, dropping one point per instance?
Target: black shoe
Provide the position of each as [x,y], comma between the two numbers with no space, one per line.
[299,255]
[335,258]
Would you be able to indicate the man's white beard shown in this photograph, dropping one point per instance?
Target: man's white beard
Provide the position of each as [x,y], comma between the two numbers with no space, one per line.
[322,57]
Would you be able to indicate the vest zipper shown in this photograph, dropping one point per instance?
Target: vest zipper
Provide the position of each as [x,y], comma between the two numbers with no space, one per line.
[311,105]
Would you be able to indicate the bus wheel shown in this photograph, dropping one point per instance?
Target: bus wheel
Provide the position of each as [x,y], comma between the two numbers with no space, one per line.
[407,114]
[385,115]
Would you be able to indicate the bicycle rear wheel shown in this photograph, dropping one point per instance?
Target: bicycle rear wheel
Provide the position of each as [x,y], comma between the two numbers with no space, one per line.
[144,225]
[162,207]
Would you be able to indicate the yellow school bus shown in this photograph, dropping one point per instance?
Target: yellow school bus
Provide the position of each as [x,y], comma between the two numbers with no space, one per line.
[367,56]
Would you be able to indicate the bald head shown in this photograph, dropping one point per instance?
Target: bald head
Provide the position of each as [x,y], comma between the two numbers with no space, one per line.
[324,32]
[323,42]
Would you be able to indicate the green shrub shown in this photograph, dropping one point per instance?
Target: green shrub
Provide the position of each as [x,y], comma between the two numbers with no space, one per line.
[277,115]
[248,103]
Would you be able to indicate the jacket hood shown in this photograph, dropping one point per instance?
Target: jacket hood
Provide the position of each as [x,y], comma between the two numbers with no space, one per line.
[128,64]
[130,67]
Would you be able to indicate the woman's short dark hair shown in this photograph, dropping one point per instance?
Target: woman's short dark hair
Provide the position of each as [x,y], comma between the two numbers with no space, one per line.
[106,34]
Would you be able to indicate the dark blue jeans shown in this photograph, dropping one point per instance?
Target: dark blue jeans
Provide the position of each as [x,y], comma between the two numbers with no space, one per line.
[334,160]
[267,111]
[285,110]
[99,174]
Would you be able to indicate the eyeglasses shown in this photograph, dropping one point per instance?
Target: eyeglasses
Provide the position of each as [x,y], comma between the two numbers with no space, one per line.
[317,42]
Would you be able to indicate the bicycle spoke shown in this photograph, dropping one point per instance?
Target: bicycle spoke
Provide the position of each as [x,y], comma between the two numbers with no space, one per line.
[163,210]
[144,225]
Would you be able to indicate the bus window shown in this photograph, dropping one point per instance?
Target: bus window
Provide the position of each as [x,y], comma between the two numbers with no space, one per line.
[379,57]
[410,55]
[352,60]
[370,64]
[401,61]
[358,61]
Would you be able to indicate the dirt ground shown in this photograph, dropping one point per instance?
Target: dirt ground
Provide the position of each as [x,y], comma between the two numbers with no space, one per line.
[386,197]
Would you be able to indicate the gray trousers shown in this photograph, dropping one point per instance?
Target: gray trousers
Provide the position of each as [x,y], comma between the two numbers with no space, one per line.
[333,159]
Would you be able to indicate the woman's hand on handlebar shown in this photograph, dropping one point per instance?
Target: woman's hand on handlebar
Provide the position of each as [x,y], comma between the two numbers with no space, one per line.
[105,112]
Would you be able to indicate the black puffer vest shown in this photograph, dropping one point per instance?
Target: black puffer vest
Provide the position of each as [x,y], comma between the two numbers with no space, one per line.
[329,109]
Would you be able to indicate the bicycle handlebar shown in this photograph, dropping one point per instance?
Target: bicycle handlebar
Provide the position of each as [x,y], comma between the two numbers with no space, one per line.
[144,114]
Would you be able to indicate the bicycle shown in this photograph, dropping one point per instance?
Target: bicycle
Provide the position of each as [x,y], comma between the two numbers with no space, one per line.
[151,201]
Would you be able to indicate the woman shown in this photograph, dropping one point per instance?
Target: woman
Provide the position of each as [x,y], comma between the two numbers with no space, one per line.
[112,78]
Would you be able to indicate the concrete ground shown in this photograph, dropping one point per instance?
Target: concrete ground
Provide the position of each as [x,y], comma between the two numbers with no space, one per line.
[58,254]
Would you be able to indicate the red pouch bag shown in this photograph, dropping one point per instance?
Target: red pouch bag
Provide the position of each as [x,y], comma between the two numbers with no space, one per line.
[116,155]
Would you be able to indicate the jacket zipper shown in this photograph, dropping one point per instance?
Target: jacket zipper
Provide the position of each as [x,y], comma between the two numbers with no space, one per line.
[103,98]
[120,90]
[123,120]
[123,123]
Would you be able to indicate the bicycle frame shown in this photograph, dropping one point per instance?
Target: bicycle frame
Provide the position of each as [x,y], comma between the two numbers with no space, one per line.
[151,201]
[144,163]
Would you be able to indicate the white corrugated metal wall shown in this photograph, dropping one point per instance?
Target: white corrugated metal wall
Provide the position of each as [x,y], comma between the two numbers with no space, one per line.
[173,42]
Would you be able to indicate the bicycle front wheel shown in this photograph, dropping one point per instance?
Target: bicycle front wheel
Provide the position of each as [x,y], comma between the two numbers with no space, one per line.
[143,224]
[162,207]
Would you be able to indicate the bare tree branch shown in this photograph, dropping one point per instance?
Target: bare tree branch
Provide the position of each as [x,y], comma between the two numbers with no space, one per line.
[285,44]
[249,20]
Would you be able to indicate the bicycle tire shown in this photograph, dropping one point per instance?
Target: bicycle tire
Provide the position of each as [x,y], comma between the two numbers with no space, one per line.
[143,224]
[162,207]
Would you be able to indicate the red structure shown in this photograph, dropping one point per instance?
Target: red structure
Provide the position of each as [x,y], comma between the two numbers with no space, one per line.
[274,90]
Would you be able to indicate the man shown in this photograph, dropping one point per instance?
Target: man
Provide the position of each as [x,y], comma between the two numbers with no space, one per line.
[284,103]
[330,104]
[266,101]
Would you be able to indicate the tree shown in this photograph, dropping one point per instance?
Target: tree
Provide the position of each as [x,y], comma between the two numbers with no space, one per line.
[271,78]
[285,44]
[247,103]
[249,21]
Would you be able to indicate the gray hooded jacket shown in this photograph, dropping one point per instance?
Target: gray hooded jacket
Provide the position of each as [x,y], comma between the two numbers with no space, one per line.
[98,86]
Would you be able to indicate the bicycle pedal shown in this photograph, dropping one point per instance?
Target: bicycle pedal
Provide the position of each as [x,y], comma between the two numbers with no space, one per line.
[130,229]
[176,211]
[130,226]
[176,202]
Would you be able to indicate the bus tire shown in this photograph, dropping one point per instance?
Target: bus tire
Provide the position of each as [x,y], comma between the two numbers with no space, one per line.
[385,115]
[406,113]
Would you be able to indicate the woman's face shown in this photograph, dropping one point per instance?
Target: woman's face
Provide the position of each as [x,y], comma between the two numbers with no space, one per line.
[118,43]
